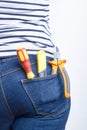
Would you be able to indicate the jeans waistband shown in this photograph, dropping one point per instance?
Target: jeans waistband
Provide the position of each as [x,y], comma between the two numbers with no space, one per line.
[31,56]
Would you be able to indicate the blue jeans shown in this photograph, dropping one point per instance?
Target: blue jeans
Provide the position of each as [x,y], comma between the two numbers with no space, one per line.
[37,104]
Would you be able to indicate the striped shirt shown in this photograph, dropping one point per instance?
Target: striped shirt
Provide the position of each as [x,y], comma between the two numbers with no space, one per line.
[24,23]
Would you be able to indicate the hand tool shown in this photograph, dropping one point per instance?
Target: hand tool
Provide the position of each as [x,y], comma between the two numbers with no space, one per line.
[56,64]
[56,53]
[41,63]
[25,62]
[66,80]
[60,64]
[53,62]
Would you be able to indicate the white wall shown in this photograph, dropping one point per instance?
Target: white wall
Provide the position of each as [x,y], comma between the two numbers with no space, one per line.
[69,29]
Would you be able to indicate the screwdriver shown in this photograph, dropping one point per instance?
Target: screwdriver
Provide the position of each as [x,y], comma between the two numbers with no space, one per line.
[25,62]
[41,63]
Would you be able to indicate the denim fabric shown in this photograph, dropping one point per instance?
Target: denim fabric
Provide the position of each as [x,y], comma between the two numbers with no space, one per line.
[36,104]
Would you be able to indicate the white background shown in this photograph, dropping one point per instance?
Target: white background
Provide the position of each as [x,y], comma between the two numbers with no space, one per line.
[68,22]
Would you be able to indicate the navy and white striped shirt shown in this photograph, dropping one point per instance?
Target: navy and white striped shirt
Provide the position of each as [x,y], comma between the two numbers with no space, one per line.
[24,23]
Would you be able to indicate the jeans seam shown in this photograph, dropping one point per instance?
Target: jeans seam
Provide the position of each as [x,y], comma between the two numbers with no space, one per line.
[12,71]
[4,74]
[6,102]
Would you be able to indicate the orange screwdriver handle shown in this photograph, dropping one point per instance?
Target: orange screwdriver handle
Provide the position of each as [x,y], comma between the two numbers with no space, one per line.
[25,62]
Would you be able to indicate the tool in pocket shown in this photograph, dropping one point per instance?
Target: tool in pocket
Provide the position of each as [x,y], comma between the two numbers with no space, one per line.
[41,63]
[60,63]
[25,62]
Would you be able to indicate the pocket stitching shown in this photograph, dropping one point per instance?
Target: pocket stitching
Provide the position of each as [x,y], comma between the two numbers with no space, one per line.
[34,104]
[38,79]
[29,96]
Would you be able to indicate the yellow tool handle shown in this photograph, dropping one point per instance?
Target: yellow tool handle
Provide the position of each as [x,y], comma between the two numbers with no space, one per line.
[41,62]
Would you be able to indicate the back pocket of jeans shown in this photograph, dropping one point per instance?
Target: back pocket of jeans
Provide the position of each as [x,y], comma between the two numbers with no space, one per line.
[46,94]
